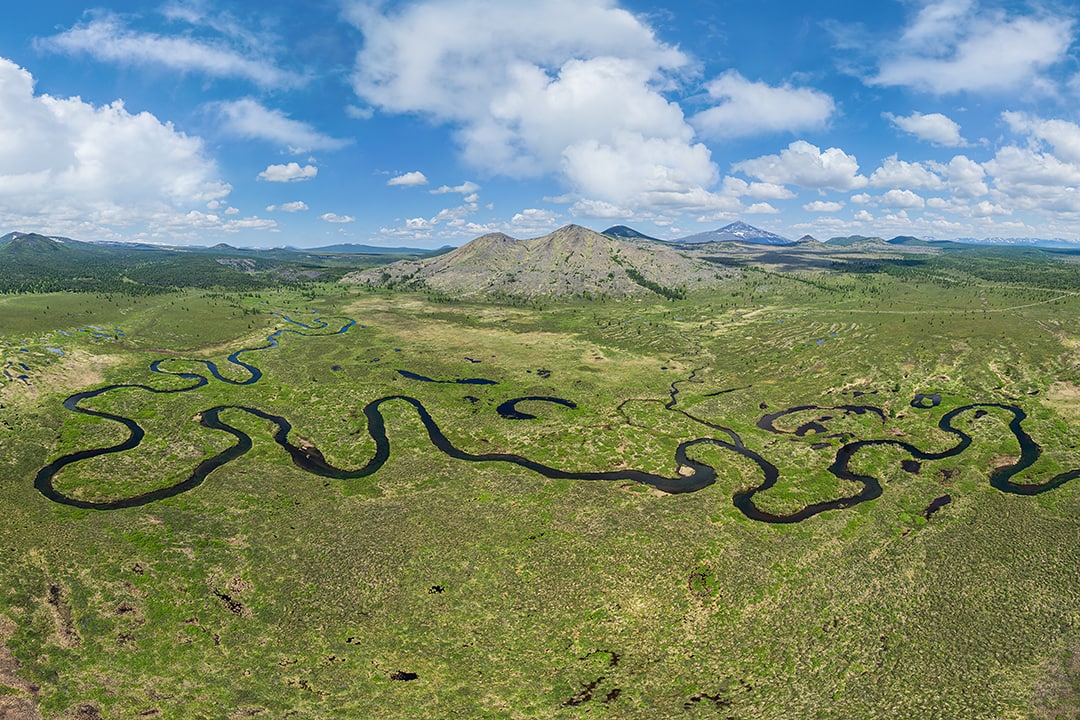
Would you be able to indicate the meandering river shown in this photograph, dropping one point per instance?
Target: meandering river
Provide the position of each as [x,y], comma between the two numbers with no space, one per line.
[694,475]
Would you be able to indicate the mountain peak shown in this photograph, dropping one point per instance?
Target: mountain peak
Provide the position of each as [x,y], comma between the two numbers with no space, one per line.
[627,233]
[737,231]
[572,260]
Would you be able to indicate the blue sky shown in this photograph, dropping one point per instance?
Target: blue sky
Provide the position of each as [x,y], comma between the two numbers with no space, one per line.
[432,122]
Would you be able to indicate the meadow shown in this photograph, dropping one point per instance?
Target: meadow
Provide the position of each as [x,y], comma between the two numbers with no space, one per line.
[438,588]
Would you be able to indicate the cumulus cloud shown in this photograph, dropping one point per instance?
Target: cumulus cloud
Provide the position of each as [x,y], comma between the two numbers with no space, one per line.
[70,164]
[823,207]
[1029,179]
[761,208]
[335,218]
[106,37]
[465,188]
[1061,135]
[737,187]
[985,208]
[599,209]
[754,108]
[898,173]
[291,172]
[966,177]
[531,94]
[905,199]
[807,166]
[409,179]
[249,119]
[954,46]
[934,128]
[289,207]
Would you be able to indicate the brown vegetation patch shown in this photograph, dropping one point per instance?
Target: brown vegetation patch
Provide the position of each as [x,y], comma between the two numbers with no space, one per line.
[18,708]
[1065,398]
[1057,694]
[76,371]
[66,636]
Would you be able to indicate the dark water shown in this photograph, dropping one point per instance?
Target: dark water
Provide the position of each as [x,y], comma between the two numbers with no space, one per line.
[698,475]
[459,381]
[508,410]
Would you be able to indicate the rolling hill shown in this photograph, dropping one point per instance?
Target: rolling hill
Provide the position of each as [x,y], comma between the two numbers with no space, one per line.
[628,233]
[572,261]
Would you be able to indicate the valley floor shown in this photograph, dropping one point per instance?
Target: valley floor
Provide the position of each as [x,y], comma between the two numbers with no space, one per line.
[438,587]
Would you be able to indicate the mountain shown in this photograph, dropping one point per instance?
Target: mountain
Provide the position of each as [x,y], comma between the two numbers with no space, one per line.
[373,249]
[35,248]
[808,239]
[1059,243]
[570,261]
[629,233]
[736,232]
[853,240]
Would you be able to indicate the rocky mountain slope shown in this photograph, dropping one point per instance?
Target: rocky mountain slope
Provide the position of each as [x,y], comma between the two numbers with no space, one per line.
[570,261]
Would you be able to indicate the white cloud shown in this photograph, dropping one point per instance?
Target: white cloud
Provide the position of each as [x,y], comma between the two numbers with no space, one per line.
[465,188]
[966,177]
[823,206]
[359,113]
[756,108]
[985,208]
[807,166]
[335,218]
[289,207]
[933,128]
[761,208]
[902,199]
[197,14]
[1027,179]
[901,174]
[107,38]
[409,179]
[195,225]
[599,209]
[249,119]
[737,187]
[532,222]
[1017,166]
[71,165]
[531,94]
[861,199]
[1062,136]
[954,46]
[863,216]
[291,172]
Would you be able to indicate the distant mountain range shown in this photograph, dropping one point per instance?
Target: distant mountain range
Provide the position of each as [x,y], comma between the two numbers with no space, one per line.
[31,262]
[572,261]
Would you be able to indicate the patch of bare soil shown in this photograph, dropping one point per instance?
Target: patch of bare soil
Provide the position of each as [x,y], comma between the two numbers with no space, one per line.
[1057,695]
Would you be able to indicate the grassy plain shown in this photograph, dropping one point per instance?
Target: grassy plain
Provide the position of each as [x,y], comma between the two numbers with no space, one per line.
[271,592]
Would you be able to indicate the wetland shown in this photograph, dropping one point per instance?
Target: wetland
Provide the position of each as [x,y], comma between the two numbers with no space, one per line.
[696,509]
